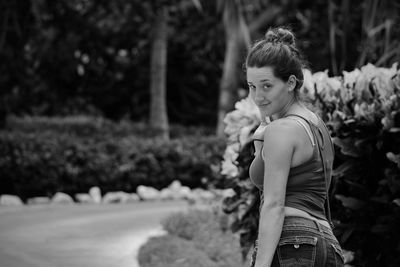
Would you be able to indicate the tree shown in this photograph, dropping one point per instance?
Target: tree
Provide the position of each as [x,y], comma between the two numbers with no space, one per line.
[237,38]
[158,105]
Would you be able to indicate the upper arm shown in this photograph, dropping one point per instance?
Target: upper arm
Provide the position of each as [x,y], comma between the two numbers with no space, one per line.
[278,150]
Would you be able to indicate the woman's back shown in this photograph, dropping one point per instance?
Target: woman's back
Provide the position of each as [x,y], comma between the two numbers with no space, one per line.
[307,182]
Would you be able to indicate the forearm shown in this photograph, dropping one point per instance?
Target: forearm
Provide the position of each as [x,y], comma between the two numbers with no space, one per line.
[270,228]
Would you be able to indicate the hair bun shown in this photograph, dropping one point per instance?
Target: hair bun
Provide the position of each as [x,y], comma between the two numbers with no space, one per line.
[280,35]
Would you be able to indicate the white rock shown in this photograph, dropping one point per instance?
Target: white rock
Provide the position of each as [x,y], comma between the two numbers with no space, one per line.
[200,193]
[175,185]
[194,196]
[185,192]
[166,194]
[61,198]
[182,193]
[10,200]
[38,200]
[207,195]
[133,197]
[147,193]
[116,197]
[176,191]
[95,193]
[84,198]
[195,193]
[202,197]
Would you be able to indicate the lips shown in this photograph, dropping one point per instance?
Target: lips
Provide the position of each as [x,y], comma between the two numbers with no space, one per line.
[264,105]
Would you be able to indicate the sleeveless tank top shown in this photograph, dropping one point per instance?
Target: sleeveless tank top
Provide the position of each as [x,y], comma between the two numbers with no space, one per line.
[308,183]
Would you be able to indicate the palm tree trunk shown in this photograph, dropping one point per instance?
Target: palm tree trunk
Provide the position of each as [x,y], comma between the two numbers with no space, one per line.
[237,36]
[158,107]
[229,82]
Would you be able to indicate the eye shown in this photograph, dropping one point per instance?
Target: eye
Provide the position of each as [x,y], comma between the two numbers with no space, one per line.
[266,86]
[252,87]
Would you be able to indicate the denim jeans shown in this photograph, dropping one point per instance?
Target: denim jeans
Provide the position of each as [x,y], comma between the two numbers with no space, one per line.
[305,242]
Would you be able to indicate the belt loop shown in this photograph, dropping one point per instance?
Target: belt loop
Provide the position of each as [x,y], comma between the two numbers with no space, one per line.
[318,226]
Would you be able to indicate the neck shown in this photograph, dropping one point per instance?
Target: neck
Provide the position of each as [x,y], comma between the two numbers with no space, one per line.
[285,110]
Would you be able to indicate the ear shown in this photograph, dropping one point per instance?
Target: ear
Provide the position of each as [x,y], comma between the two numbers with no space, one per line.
[292,81]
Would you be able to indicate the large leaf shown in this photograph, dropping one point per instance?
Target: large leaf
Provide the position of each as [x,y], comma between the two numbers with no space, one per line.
[342,169]
[350,202]
[347,146]
[347,234]
[357,188]
[380,228]
[394,158]
[382,199]
[397,201]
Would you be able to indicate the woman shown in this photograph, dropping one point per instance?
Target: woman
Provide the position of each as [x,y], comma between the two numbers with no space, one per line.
[293,161]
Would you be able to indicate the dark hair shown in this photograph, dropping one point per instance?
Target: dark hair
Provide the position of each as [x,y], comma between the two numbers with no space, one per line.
[278,50]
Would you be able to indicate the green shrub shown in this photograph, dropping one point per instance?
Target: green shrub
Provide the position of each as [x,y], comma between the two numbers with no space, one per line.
[79,124]
[208,231]
[84,125]
[34,163]
[185,224]
[172,251]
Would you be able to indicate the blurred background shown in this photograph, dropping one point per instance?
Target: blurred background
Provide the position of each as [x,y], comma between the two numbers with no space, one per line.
[61,58]
[133,97]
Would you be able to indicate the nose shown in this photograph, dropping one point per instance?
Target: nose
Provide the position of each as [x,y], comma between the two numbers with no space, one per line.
[258,97]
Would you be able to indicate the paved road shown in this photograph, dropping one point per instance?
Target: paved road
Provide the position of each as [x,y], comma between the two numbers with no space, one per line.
[79,235]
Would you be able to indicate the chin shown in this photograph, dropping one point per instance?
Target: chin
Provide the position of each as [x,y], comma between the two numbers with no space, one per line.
[267,111]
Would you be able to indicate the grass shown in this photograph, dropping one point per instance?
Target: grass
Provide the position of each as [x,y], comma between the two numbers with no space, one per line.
[198,237]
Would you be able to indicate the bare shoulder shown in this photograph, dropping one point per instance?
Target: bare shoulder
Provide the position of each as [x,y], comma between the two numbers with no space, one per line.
[282,129]
[283,125]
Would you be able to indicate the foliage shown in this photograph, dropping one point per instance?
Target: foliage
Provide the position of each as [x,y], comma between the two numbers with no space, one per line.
[205,230]
[362,110]
[172,251]
[84,125]
[92,57]
[34,163]
[240,123]
[63,57]
[187,225]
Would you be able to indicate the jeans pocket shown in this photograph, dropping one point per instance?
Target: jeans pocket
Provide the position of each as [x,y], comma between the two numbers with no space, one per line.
[297,250]
[339,256]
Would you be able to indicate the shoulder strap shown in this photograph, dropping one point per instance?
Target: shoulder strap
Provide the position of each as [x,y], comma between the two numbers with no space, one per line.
[307,130]
[324,165]
[297,115]
[326,179]
[331,141]
[320,148]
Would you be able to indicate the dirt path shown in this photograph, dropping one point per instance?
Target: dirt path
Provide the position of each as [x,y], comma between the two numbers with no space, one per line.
[79,235]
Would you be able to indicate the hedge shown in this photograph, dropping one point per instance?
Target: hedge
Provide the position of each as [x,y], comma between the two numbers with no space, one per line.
[40,163]
[198,237]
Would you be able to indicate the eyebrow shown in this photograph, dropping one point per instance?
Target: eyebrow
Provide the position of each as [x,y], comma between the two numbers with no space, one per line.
[264,80]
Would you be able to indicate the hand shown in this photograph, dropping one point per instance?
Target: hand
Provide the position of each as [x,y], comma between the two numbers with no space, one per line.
[262,265]
[263,115]
[254,262]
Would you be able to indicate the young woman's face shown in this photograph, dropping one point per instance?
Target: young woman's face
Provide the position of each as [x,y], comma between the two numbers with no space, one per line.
[269,92]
